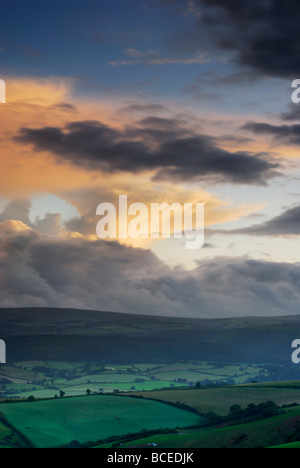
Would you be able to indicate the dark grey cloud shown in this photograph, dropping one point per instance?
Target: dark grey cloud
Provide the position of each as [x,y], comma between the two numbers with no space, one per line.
[293,113]
[235,139]
[38,270]
[65,106]
[84,225]
[287,223]
[163,146]
[143,107]
[260,35]
[19,209]
[50,224]
[289,134]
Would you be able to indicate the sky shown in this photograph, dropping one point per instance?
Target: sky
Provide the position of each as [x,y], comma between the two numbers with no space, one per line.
[185,101]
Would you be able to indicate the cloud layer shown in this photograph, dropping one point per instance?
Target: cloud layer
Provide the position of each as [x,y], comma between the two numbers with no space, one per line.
[261,35]
[288,134]
[38,270]
[286,224]
[159,145]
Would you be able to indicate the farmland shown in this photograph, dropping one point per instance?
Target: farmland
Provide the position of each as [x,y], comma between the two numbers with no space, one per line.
[219,400]
[266,433]
[50,423]
[44,379]
[168,418]
[87,378]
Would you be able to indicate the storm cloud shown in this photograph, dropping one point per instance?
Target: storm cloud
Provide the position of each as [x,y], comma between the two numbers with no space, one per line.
[162,146]
[19,209]
[38,270]
[287,223]
[293,113]
[289,134]
[262,35]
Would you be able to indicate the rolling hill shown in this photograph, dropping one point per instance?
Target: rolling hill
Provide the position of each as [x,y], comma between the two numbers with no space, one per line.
[260,434]
[81,335]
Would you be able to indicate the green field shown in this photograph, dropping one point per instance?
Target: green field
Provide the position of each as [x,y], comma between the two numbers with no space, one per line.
[80,389]
[4,432]
[208,365]
[290,445]
[9,437]
[51,423]
[46,378]
[219,400]
[265,433]
[96,418]
[104,378]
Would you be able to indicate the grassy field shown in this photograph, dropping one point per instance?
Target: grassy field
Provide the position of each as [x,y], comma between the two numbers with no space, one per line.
[46,378]
[80,389]
[142,354]
[50,423]
[9,438]
[265,433]
[54,422]
[106,377]
[290,445]
[5,432]
[219,400]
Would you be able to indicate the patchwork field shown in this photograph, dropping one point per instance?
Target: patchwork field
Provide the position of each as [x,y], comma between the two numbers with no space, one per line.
[125,421]
[219,400]
[207,366]
[51,423]
[44,379]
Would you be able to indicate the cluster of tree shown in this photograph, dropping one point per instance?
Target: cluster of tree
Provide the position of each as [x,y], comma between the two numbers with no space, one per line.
[251,413]
[55,373]
[213,384]
[267,410]
[97,371]
[293,436]
[178,404]
[183,381]
[276,373]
